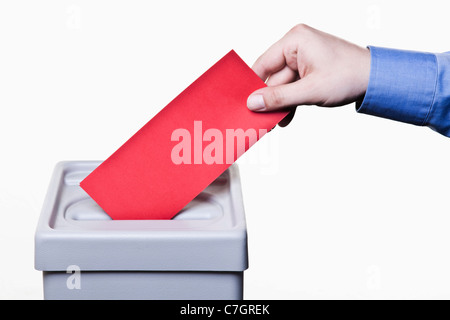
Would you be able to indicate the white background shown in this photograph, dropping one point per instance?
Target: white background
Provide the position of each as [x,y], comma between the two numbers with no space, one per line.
[338,204]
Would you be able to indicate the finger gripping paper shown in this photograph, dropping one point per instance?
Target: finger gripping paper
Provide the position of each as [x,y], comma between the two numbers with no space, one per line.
[184,148]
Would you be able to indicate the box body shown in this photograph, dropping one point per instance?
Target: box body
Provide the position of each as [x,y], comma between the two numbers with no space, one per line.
[200,254]
[144,285]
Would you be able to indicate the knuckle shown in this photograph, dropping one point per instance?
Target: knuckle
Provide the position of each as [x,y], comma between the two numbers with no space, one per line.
[300,28]
[274,98]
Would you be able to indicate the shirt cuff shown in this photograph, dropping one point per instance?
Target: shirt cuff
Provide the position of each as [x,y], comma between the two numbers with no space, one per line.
[439,116]
[402,85]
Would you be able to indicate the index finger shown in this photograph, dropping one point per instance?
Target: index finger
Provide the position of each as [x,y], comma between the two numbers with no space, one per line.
[269,62]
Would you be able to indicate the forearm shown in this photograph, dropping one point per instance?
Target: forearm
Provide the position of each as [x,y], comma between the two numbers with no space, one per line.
[411,87]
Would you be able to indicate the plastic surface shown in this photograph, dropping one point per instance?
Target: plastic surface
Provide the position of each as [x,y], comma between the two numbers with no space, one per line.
[136,285]
[209,234]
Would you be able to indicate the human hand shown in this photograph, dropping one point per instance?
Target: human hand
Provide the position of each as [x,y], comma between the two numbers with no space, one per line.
[310,67]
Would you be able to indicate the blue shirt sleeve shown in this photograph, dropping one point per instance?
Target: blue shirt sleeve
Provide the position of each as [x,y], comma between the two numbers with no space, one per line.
[409,86]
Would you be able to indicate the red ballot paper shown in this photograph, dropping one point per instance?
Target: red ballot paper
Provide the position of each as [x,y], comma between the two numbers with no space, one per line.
[184,148]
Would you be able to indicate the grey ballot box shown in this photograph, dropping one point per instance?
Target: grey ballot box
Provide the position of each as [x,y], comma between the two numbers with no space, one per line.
[200,254]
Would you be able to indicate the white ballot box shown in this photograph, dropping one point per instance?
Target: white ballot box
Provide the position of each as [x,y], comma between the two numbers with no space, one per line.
[200,254]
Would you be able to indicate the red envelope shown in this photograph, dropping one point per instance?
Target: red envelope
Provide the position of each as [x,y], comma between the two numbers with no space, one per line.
[184,148]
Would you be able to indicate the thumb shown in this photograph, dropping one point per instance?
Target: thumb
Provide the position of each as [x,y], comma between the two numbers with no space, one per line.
[273,98]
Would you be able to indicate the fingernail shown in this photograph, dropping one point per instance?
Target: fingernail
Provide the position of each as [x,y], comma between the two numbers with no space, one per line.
[255,102]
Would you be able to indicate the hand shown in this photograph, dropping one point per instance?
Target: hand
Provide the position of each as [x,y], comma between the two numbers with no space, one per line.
[310,67]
